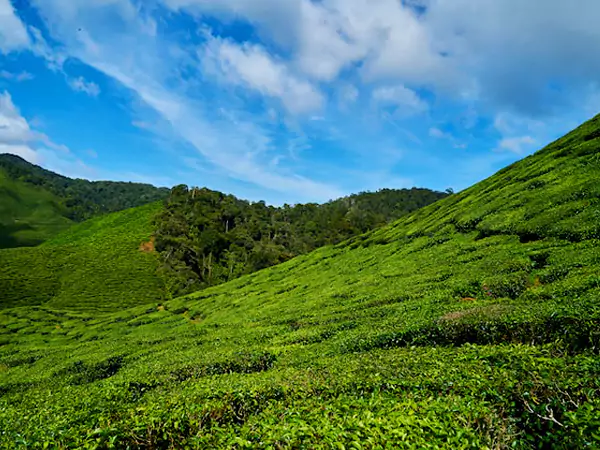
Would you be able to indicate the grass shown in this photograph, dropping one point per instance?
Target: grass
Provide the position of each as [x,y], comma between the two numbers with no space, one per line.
[473,323]
[28,215]
[96,265]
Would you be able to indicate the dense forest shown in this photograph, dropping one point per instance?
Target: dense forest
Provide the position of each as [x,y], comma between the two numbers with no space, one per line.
[205,237]
[82,199]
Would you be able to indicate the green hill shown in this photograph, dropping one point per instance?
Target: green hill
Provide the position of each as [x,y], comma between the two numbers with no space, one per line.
[471,323]
[36,204]
[28,215]
[205,237]
[97,264]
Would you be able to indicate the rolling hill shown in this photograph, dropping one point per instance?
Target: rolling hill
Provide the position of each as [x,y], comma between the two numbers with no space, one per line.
[36,204]
[99,264]
[28,214]
[205,237]
[471,323]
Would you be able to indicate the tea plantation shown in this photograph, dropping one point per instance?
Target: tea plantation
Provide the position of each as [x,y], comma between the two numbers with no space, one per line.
[28,214]
[95,265]
[473,323]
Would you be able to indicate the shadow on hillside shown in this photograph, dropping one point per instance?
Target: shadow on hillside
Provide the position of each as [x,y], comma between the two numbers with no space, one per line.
[8,240]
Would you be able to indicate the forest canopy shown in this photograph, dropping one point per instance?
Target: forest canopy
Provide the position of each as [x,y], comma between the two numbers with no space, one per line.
[205,237]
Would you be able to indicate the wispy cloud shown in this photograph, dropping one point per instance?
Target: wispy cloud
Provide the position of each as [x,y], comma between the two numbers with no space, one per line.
[18,138]
[250,65]
[517,145]
[81,85]
[13,34]
[14,129]
[144,65]
[21,76]
[439,134]
[406,101]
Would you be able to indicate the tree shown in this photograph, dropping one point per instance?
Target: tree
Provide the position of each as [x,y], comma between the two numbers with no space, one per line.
[217,237]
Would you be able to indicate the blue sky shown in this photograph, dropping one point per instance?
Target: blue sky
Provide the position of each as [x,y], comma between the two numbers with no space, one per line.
[293,100]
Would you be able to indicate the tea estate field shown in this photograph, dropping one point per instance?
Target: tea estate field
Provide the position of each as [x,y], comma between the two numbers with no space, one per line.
[471,323]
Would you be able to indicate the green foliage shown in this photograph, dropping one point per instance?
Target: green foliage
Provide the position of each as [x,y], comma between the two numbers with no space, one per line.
[96,264]
[28,215]
[460,326]
[80,373]
[36,204]
[206,238]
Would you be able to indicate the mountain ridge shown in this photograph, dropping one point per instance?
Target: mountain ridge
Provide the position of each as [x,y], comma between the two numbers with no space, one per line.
[65,200]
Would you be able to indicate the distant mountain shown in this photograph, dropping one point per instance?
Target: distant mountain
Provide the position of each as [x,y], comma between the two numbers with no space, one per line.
[36,203]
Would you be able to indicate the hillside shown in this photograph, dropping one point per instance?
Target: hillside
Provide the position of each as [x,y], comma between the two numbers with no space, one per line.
[28,215]
[205,237]
[37,203]
[95,265]
[471,323]
[98,261]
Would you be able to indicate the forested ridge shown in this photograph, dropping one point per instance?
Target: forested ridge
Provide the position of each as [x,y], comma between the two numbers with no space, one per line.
[82,199]
[203,237]
[206,237]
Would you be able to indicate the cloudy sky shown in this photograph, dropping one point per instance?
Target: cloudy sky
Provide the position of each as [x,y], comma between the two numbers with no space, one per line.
[293,100]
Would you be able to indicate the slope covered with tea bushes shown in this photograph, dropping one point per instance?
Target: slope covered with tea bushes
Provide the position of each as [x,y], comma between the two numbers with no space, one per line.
[97,264]
[28,215]
[472,323]
[36,204]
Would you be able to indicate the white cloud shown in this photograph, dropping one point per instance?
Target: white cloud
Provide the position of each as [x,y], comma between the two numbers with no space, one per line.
[14,129]
[54,57]
[513,48]
[499,52]
[24,151]
[13,34]
[88,87]
[146,65]
[18,138]
[508,123]
[251,66]
[406,100]
[21,76]
[331,35]
[516,145]
[439,134]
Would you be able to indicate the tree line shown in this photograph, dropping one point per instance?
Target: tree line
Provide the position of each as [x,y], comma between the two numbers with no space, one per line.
[206,237]
[83,199]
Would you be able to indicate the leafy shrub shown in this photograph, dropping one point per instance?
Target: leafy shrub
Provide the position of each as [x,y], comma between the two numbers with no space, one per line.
[80,372]
[242,362]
